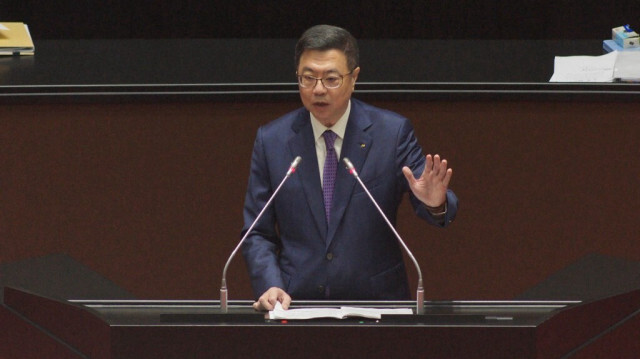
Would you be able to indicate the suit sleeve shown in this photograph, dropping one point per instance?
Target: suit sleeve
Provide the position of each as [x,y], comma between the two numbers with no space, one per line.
[410,154]
[261,246]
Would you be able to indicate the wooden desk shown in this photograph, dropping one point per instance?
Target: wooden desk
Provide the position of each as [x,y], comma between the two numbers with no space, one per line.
[196,329]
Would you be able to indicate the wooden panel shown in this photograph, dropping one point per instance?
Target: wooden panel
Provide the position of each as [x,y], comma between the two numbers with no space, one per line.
[22,340]
[150,195]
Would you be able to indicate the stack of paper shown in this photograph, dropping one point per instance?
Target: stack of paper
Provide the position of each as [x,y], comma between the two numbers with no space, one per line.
[614,66]
[627,67]
[337,313]
[15,39]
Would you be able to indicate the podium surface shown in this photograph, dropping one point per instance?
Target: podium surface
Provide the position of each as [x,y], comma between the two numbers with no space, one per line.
[197,329]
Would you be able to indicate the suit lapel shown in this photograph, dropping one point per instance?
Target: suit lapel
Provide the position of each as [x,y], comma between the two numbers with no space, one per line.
[356,145]
[303,144]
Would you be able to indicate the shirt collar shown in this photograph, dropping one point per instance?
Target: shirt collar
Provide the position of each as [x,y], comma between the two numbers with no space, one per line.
[339,128]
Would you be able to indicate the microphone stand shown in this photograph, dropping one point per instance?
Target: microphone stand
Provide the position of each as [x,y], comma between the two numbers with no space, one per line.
[223,286]
[420,292]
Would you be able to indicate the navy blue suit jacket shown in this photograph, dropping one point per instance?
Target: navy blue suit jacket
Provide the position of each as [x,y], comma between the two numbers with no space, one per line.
[357,256]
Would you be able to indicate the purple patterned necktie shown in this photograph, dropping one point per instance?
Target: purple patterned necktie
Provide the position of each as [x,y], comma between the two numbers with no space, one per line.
[330,170]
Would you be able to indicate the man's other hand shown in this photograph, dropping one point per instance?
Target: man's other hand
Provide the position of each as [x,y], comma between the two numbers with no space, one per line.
[267,301]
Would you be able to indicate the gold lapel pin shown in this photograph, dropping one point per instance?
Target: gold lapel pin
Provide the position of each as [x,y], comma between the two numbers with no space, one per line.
[362,145]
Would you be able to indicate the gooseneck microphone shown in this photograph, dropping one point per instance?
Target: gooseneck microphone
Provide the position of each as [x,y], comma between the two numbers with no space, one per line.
[420,294]
[223,286]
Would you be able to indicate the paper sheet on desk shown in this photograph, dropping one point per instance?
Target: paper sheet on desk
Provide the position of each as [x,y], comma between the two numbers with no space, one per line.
[616,65]
[627,67]
[337,313]
[584,68]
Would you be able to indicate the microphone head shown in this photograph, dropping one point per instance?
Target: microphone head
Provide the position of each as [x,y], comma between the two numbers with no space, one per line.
[350,167]
[294,164]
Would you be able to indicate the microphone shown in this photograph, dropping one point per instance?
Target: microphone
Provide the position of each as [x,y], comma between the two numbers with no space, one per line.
[223,286]
[420,294]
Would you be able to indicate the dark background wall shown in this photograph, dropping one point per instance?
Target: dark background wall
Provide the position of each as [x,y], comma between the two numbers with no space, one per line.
[150,195]
[461,19]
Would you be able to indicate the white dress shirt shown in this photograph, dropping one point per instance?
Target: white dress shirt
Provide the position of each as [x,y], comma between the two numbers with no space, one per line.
[339,129]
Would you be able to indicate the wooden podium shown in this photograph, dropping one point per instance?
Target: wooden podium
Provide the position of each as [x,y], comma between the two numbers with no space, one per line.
[37,327]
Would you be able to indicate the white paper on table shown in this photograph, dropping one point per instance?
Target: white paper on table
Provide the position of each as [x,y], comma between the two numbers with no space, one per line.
[627,66]
[337,313]
[584,68]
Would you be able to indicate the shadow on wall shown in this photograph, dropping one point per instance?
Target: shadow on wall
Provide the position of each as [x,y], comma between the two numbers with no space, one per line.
[592,277]
[59,276]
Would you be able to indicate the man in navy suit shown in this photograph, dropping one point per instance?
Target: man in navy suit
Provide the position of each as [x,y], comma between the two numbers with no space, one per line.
[301,250]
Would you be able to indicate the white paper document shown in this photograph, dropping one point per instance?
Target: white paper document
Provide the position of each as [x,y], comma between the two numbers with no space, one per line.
[337,313]
[616,65]
[584,68]
[627,66]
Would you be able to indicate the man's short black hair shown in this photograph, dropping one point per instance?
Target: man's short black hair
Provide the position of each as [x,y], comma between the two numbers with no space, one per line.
[327,37]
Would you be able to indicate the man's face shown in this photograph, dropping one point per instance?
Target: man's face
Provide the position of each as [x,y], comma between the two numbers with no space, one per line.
[327,105]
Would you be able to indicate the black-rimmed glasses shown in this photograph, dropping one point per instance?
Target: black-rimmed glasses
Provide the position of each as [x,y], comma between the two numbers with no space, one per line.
[330,81]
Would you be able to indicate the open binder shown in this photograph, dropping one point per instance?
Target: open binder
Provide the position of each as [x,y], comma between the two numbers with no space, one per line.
[15,39]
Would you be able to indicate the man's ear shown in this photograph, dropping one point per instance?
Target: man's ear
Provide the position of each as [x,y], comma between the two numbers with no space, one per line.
[355,73]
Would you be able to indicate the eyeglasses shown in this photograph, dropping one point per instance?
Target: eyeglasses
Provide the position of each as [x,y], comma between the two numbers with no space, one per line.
[331,81]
